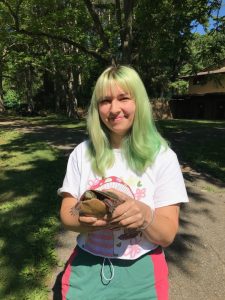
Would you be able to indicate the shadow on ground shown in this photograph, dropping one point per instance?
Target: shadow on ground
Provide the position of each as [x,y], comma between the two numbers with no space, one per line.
[24,226]
[20,227]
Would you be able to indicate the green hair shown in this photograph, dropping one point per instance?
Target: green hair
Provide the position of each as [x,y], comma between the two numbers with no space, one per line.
[142,143]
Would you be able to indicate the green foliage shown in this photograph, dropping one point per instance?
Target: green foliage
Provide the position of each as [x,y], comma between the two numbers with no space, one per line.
[52,51]
[205,51]
[11,99]
[179,87]
[163,33]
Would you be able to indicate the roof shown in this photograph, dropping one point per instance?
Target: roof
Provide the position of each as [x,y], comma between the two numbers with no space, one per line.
[187,96]
[217,71]
[208,71]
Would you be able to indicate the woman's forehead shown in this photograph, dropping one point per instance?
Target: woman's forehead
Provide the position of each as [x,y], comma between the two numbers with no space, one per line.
[112,88]
[115,89]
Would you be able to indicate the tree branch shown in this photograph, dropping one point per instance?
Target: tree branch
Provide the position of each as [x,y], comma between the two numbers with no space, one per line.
[65,40]
[6,50]
[127,30]
[97,23]
[14,15]
[119,19]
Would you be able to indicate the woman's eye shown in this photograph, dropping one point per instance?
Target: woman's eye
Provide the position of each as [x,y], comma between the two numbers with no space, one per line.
[104,101]
[124,99]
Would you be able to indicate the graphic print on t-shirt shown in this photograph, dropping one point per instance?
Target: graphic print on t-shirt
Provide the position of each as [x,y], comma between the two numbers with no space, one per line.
[132,183]
[102,242]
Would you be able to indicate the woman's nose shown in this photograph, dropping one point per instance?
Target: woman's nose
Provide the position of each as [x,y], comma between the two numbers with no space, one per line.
[115,107]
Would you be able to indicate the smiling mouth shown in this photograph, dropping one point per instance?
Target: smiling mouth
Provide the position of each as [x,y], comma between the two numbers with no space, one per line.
[118,118]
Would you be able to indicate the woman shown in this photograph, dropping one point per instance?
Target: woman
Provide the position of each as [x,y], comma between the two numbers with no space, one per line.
[124,146]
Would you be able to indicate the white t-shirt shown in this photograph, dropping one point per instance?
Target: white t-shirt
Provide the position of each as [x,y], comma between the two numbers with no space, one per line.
[161,185]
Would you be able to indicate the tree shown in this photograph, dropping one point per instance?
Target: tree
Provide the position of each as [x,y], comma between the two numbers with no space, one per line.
[61,46]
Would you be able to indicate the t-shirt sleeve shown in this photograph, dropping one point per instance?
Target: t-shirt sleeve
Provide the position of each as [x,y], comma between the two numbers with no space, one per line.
[71,180]
[169,183]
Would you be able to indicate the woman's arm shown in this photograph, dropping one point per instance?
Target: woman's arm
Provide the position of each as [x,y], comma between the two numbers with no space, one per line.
[160,226]
[76,223]
[163,227]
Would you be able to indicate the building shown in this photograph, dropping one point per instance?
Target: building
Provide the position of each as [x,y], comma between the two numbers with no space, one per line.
[205,98]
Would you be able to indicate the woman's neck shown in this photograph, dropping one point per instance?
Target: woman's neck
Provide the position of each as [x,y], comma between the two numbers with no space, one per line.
[116,140]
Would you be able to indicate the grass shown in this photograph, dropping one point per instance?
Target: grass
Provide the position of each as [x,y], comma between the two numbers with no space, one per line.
[31,171]
[198,143]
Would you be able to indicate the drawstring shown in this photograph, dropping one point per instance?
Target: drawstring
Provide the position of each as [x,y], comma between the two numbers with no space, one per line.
[111,270]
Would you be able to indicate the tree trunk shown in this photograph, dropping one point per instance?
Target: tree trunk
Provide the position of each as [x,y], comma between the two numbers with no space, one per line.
[29,90]
[56,95]
[57,92]
[2,107]
[127,33]
[71,95]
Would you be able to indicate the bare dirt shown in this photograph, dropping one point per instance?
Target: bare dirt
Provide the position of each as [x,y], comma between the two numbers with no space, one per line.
[197,257]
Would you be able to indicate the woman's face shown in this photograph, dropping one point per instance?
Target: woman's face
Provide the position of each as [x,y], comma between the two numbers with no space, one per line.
[117,110]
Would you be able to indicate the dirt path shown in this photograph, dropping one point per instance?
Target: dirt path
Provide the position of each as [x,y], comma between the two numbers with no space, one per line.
[196,259]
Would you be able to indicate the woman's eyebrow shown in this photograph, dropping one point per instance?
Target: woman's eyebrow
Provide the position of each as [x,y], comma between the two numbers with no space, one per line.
[110,97]
[105,98]
[123,94]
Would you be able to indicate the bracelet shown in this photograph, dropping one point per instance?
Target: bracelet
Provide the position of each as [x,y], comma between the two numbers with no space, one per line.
[150,223]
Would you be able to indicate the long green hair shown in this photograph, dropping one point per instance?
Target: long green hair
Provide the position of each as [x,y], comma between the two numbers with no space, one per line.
[142,143]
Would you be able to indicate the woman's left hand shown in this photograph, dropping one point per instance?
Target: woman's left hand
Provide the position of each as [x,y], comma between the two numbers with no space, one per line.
[159,228]
[132,214]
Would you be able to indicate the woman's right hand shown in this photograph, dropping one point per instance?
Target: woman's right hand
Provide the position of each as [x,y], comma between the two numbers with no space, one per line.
[72,221]
[92,223]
